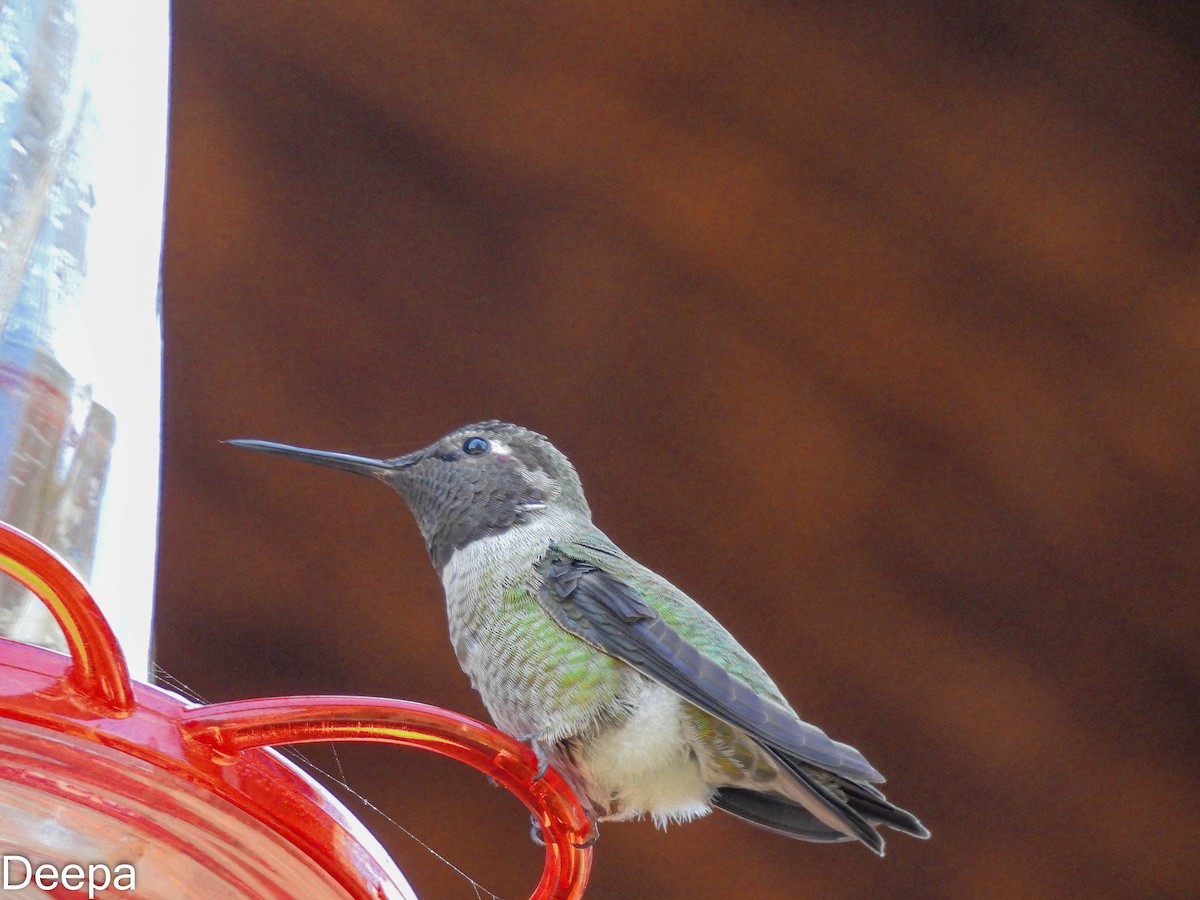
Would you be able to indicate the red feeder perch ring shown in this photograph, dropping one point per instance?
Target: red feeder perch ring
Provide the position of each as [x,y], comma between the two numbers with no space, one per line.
[101,772]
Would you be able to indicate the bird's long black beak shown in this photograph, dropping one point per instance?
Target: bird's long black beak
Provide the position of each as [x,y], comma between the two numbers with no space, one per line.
[359,465]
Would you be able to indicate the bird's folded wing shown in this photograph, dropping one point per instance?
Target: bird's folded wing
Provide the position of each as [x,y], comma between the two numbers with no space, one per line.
[606,612]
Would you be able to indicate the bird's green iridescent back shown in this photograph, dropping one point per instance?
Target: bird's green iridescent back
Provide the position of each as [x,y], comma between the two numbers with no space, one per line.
[677,609]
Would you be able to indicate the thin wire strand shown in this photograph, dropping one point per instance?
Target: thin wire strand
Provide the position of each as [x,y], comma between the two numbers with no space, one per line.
[303,760]
[338,761]
[163,677]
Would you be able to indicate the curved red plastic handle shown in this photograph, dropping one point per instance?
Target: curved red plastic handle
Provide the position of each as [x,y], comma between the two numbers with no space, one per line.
[229,728]
[98,672]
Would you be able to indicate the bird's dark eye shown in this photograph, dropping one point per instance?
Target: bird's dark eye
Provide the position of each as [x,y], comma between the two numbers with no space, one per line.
[474,446]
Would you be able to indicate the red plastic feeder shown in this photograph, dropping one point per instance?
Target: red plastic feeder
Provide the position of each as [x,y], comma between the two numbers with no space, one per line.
[117,789]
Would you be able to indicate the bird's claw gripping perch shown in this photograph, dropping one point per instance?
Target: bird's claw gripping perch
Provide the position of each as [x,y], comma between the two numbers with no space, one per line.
[591,837]
[542,752]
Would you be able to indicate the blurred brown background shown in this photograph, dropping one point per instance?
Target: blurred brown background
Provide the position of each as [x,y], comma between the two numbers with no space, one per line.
[875,328]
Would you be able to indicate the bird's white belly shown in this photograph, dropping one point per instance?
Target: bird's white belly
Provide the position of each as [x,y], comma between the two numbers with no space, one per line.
[645,764]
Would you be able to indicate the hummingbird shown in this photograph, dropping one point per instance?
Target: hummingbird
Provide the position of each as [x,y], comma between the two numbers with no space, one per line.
[641,700]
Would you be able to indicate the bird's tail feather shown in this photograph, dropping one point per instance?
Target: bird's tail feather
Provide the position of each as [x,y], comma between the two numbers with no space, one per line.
[776,814]
[827,808]
[826,804]
[876,808]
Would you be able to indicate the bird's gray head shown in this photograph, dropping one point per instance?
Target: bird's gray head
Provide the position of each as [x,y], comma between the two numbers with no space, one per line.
[475,481]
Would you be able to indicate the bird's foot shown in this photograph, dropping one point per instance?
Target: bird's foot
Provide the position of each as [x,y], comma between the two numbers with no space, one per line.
[591,837]
[535,831]
[593,834]
[542,751]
